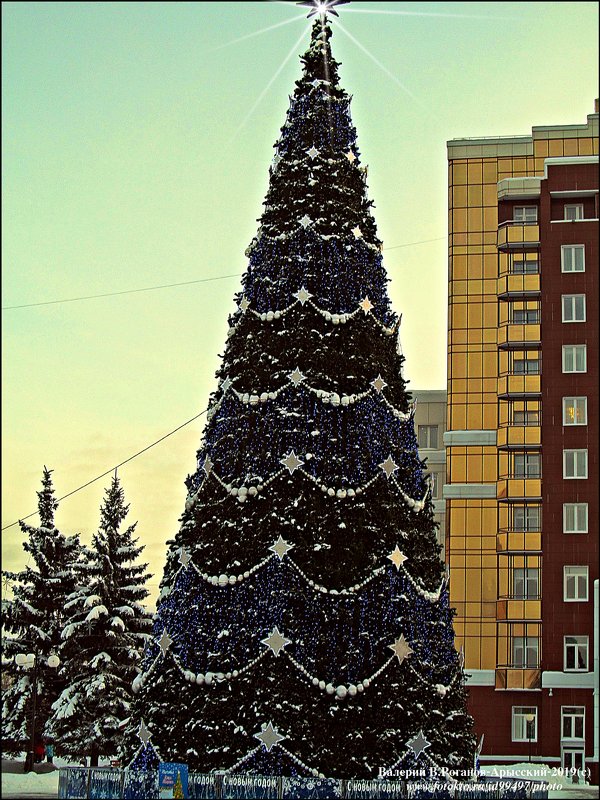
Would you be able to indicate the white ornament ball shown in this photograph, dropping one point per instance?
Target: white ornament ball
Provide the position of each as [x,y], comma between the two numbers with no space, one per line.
[335,399]
[360,687]
[277,314]
[200,678]
[321,684]
[246,574]
[331,492]
[208,678]
[272,395]
[243,490]
[254,399]
[228,675]
[252,491]
[345,400]
[341,493]
[223,580]
[352,690]
[316,682]
[264,397]
[335,318]
[260,487]
[441,689]
[366,683]
[232,579]
[245,398]
[240,578]
[235,673]
[270,316]
[214,579]
[263,317]
[351,492]
[341,691]
[330,688]
[234,491]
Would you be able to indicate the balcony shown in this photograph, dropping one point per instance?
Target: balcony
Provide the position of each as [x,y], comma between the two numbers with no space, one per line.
[508,608]
[518,236]
[513,335]
[511,541]
[519,386]
[514,678]
[521,285]
[511,436]
[511,489]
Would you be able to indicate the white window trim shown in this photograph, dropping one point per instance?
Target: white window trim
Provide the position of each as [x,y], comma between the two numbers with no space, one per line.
[576,401]
[534,738]
[562,258]
[574,477]
[574,371]
[578,739]
[525,215]
[587,584]
[569,533]
[587,654]
[574,205]
[562,303]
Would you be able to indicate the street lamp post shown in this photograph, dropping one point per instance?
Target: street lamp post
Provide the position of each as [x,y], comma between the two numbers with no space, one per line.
[27,662]
[530,718]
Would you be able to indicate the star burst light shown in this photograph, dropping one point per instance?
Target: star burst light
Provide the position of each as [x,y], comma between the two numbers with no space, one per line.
[322,8]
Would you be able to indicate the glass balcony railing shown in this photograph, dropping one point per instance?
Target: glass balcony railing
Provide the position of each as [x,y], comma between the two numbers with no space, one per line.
[516,678]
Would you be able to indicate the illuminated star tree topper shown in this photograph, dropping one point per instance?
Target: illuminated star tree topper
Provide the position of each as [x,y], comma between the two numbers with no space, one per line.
[323,8]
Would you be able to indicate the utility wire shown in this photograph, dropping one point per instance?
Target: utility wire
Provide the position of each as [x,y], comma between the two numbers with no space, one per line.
[171,285]
[112,469]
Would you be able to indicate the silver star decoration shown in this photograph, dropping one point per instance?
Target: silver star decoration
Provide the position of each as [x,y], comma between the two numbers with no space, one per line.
[305,221]
[276,160]
[184,557]
[269,736]
[291,461]
[357,232]
[281,547]
[313,152]
[303,295]
[165,642]
[389,467]
[418,744]
[6,583]
[207,466]
[244,304]
[296,377]
[276,641]
[226,385]
[397,557]
[316,82]
[378,384]
[350,156]
[401,648]
[144,734]
[366,305]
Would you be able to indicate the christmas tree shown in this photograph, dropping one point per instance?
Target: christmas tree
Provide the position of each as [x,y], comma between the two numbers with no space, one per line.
[103,638]
[32,623]
[303,626]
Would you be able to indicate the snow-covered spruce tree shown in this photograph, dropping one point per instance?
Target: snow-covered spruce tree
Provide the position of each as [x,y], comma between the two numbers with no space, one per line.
[103,638]
[33,619]
[304,624]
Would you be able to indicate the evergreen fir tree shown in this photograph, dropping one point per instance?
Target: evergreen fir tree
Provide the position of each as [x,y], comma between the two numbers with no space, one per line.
[304,624]
[32,622]
[103,639]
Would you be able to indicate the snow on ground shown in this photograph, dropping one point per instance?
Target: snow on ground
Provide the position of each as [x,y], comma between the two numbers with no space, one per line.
[559,785]
[30,784]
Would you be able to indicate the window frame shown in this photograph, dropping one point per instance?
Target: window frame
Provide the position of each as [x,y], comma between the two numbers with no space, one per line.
[584,645]
[577,713]
[520,712]
[525,218]
[532,465]
[577,401]
[527,579]
[429,428]
[585,572]
[579,208]
[573,297]
[575,477]
[575,530]
[527,510]
[571,248]
[574,347]
[535,266]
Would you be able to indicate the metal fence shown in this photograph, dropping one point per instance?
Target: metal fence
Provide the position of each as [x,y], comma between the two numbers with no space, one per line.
[81,783]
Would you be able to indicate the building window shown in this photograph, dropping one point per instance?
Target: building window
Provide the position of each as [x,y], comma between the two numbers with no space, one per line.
[575,464]
[428,437]
[526,582]
[435,485]
[526,518]
[525,214]
[575,517]
[527,465]
[573,722]
[572,257]
[522,266]
[574,358]
[524,724]
[525,366]
[574,211]
[576,653]
[574,410]
[525,412]
[525,652]
[575,584]
[525,316]
[573,308]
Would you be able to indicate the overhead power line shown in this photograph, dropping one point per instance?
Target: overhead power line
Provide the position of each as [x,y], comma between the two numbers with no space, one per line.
[172,285]
[112,469]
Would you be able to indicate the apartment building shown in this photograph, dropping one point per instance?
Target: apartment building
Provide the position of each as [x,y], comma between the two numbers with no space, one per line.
[430,426]
[522,438]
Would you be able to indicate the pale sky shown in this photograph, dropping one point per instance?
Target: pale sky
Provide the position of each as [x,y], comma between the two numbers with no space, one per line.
[131,160]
